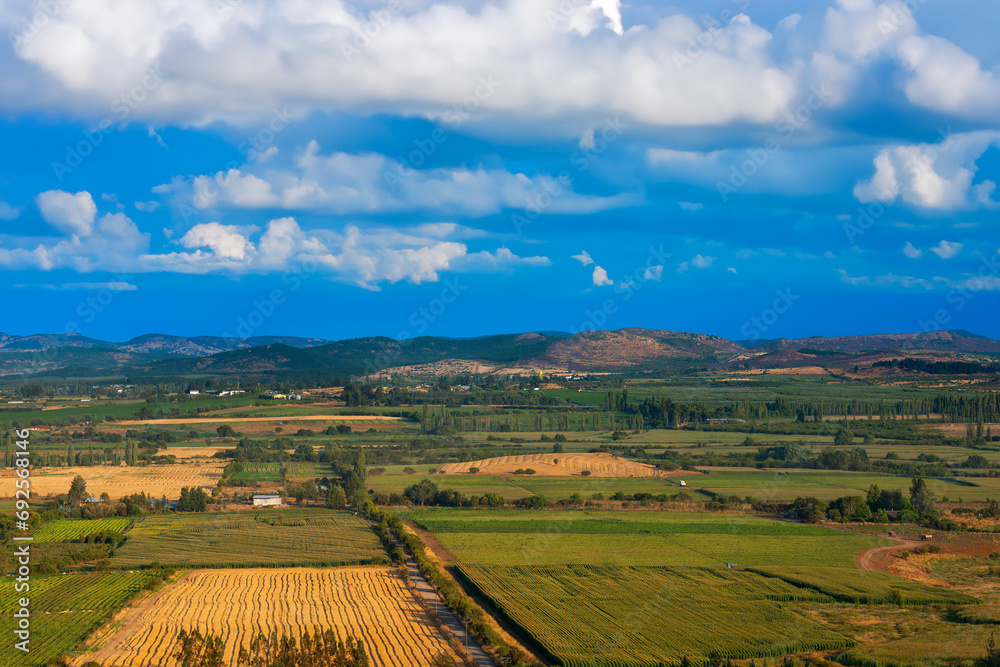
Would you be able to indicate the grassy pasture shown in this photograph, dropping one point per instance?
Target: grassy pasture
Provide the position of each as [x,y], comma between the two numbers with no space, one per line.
[252,538]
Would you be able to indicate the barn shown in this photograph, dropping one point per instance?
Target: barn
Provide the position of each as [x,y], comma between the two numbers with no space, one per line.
[265,499]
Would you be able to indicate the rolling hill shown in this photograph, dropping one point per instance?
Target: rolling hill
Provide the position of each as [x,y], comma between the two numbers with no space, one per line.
[628,350]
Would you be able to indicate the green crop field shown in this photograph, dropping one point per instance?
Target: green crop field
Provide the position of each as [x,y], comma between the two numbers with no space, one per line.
[641,615]
[787,484]
[588,522]
[771,484]
[849,585]
[72,529]
[259,538]
[467,484]
[646,538]
[946,644]
[558,488]
[64,610]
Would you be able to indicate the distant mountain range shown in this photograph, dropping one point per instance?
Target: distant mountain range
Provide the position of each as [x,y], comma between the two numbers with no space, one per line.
[195,346]
[629,350]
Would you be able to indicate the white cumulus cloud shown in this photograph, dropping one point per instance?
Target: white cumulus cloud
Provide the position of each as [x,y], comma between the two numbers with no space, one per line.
[700,261]
[584,258]
[654,272]
[226,241]
[69,213]
[8,212]
[947,249]
[932,176]
[601,277]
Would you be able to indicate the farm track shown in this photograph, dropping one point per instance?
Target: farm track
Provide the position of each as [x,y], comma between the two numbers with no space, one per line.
[366,602]
[431,598]
[878,559]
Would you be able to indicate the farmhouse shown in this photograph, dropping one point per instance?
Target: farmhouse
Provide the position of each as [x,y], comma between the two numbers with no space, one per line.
[265,499]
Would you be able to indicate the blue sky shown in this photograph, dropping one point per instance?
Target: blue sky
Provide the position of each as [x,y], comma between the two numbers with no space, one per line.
[741,168]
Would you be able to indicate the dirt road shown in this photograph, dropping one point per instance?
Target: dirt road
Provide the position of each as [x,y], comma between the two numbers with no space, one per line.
[877,559]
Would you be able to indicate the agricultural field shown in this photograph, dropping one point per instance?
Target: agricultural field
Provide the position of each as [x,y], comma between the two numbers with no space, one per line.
[559,488]
[72,529]
[946,644]
[467,484]
[861,587]
[370,603]
[637,538]
[643,615]
[307,419]
[64,610]
[786,484]
[155,480]
[250,538]
[271,472]
[558,465]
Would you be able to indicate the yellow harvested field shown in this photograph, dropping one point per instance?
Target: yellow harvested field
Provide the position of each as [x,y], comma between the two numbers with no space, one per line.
[186,453]
[560,465]
[242,420]
[155,480]
[370,603]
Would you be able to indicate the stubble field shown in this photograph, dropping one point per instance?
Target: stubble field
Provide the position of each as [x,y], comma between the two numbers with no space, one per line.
[370,603]
[156,481]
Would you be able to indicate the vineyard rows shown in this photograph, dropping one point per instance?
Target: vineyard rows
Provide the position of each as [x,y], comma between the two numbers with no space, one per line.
[64,610]
[70,529]
[650,614]
[261,538]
